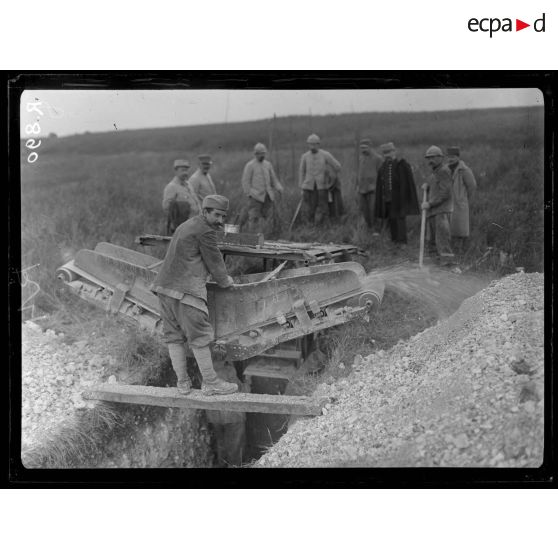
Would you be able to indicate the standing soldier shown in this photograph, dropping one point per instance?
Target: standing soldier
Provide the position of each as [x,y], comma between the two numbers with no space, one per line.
[315,187]
[201,182]
[439,204]
[180,285]
[179,201]
[369,163]
[260,184]
[396,194]
[464,186]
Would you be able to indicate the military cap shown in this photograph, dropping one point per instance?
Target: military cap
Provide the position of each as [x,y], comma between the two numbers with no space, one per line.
[205,158]
[366,141]
[181,163]
[313,138]
[260,148]
[452,151]
[434,151]
[215,201]
[387,147]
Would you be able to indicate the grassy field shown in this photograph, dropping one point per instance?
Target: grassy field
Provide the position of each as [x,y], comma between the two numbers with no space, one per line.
[107,187]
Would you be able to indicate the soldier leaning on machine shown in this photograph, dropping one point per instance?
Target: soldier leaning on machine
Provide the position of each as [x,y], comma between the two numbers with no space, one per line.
[180,285]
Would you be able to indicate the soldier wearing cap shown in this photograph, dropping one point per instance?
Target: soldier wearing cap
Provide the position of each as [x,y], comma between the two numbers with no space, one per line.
[180,285]
[201,181]
[439,204]
[463,189]
[313,181]
[369,164]
[261,185]
[179,200]
[396,194]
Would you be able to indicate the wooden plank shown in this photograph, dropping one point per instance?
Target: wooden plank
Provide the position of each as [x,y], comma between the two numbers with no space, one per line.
[240,402]
[243,239]
[253,245]
[289,354]
[253,240]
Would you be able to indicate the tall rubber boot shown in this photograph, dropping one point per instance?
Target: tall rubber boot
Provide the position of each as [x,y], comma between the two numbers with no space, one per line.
[177,353]
[211,384]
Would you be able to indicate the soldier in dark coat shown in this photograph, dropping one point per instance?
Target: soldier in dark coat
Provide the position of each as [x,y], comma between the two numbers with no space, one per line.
[396,194]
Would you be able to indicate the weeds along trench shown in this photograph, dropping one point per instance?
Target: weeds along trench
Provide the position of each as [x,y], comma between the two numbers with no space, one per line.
[117,435]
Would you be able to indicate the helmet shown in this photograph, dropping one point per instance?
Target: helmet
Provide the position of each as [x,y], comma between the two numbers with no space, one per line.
[434,151]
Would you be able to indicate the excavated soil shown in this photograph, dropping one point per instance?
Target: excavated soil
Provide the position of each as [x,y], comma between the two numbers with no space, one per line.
[467,392]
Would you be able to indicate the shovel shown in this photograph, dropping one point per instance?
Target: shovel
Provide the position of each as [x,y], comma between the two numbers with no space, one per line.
[295,214]
[422,228]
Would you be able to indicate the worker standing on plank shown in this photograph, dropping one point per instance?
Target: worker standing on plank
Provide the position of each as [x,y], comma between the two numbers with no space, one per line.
[463,188]
[180,285]
[369,163]
[179,201]
[312,180]
[261,185]
[439,204]
[201,181]
[396,194]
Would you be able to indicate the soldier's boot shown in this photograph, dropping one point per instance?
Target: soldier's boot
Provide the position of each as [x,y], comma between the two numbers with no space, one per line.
[177,353]
[211,384]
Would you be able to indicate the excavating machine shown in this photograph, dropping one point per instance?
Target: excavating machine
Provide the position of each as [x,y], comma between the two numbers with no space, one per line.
[264,324]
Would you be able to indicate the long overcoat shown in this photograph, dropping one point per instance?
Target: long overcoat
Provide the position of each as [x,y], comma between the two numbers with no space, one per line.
[463,187]
[404,199]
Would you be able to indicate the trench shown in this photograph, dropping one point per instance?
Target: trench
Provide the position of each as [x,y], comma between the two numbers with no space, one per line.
[121,436]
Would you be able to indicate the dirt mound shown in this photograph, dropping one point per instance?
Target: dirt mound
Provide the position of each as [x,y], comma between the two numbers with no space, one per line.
[467,392]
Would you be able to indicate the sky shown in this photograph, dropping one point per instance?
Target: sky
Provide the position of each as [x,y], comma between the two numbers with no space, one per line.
[67,112]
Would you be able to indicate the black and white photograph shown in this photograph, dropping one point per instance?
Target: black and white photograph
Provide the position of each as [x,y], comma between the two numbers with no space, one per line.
[281,278]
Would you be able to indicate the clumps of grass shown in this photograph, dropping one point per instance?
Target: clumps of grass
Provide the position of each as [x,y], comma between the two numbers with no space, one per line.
[143,359]
[78,442]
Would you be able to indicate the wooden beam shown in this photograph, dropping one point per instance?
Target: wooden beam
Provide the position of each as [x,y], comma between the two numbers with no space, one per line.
[289,354]
[267,370]
[240,402]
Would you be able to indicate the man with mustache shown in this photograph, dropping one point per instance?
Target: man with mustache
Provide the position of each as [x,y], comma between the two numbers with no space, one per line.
[180,285]
[439,204]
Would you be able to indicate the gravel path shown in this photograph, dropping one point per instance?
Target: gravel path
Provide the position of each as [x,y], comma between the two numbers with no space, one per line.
[54,374]
[467,392]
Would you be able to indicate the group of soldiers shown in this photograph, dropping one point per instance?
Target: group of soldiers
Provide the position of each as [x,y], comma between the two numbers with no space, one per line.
[387,194]
[385,187]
